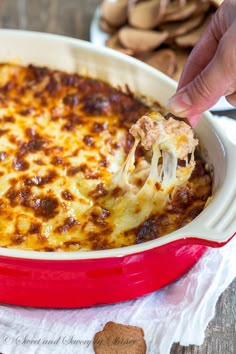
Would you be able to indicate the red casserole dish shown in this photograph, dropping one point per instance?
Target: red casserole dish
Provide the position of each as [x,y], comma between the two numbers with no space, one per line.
[80,279]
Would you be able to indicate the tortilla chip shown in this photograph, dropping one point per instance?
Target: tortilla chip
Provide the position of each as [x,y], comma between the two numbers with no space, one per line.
[114,43]
[144,15]
[115,13]
[176,13]
[141,40]
[180,28]
[191,38]
[106,27]
[163,60]
[181,58]
[119,338]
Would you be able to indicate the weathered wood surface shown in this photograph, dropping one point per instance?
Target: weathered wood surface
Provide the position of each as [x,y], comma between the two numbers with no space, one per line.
[72,18]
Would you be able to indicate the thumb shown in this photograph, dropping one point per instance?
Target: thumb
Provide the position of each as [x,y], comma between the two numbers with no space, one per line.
[216,80]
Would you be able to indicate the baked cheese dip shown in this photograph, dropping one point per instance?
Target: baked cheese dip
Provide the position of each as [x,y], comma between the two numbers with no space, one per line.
[85,166]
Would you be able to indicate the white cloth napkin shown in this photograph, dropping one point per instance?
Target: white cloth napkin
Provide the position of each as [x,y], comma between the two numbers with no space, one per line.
[177,313]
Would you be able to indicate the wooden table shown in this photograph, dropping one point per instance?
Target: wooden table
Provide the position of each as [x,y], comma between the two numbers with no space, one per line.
[72,18]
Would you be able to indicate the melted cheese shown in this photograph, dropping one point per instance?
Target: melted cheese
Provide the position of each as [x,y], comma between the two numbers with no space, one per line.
[63,141]
[168,140]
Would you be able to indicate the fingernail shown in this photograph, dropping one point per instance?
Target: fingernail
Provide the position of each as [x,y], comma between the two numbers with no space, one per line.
[179,104]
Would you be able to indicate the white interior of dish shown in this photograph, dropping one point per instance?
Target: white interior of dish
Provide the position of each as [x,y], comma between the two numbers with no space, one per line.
[73,55]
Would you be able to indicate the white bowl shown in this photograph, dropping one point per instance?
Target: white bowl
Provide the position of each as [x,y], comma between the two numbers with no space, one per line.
[27,272]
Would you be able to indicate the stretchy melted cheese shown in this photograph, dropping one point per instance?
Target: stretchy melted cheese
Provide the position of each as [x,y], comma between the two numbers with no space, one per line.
[167,141]
[66,168]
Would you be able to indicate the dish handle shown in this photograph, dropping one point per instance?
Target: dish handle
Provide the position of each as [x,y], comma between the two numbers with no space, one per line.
[220,227]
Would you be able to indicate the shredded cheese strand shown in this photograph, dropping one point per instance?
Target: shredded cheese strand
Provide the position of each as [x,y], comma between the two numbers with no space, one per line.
[168,140]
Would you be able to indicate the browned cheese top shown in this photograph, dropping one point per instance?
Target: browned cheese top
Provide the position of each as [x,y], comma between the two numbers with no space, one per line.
[62,138]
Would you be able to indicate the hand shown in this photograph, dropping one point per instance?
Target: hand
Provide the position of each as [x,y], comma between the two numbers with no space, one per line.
[210,71]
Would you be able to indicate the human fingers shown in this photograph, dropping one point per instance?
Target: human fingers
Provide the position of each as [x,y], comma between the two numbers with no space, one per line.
[216,80]
[205,49]
[199,58]
[232,99]
[194,119]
